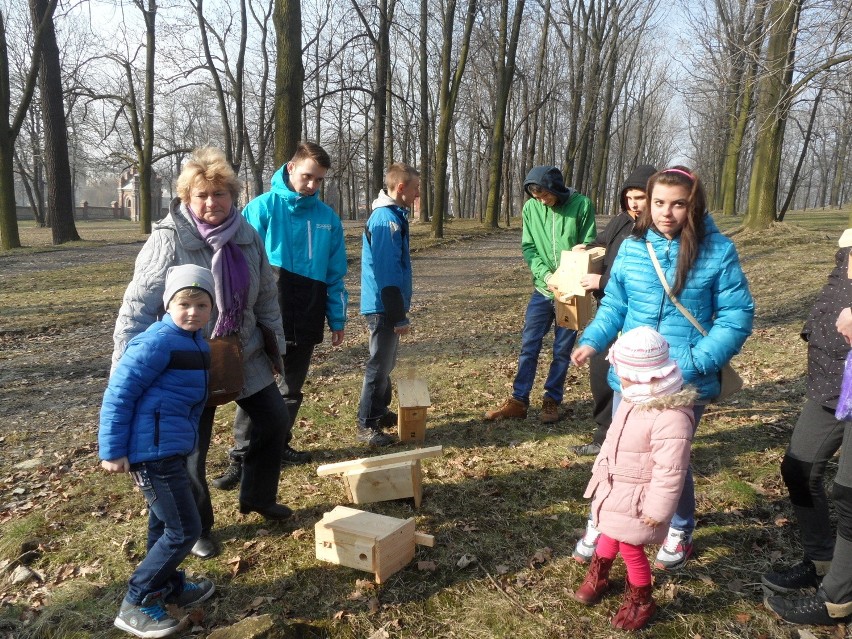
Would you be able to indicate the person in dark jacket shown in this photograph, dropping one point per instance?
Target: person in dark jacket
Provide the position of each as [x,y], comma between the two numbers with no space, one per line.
[386,286]
[827,559]
[633,201]
[148,427]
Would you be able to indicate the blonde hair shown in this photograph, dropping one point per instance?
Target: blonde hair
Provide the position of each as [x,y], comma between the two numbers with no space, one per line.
[190,293]
[207,167]
[399,173]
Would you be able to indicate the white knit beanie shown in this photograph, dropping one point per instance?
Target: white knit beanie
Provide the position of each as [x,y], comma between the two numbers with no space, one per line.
[188,276]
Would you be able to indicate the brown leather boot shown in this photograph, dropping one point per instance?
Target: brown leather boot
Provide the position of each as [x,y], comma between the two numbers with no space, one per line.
[511,408]
[596,582]
[637,608]
[549,411]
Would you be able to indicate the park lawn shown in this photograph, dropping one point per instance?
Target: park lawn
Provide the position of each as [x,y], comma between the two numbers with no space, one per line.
[504,502]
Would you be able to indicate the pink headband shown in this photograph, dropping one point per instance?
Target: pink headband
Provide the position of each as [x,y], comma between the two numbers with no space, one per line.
[682,172]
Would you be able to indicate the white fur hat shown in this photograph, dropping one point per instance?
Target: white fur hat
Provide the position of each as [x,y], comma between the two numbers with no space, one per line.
[188,276]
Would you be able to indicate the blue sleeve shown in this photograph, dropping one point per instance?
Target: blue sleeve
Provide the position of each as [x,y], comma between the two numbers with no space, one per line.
[338,297]
[611,313]
[257,214]
[386,246]
[141,364]
[734,315]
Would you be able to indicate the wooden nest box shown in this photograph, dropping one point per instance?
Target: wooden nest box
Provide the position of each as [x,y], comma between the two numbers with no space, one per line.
[574,303]
[366,541]
[413,396]
[385,477]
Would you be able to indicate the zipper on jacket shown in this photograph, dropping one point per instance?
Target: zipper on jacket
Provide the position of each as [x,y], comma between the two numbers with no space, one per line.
[310,242]
[157,428]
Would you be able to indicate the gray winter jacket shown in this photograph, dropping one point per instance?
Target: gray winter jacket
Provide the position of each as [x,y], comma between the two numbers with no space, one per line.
[175,240]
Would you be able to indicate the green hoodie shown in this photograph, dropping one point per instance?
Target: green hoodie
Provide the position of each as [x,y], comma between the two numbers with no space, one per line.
[549,231]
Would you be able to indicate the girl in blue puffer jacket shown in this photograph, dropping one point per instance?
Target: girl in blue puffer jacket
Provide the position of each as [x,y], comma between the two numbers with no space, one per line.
[703,271]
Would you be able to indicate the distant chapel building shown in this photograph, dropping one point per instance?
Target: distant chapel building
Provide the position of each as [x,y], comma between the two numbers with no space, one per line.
[128,195]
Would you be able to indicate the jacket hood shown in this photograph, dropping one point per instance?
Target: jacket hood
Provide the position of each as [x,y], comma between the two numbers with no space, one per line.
[383,199]
[281,186]
[684,397]
[550,178]
[638,179]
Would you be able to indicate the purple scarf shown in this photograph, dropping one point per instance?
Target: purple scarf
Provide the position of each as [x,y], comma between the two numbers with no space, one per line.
[230,272]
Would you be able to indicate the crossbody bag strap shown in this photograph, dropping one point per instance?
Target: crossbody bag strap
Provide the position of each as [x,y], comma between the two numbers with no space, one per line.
[668,290]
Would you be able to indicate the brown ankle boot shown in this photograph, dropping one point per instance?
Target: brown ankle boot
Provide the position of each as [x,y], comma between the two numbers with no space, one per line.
[510,409]
[637,608]
[596,582]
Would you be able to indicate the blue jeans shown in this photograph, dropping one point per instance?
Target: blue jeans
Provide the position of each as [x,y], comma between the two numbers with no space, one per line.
[376,391]
[173,526]
[540,316]
[684,517]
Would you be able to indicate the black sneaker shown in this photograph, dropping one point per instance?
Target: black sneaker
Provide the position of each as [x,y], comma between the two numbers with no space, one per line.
[230,479]
[192,593]
[294,457]
[586,449]
[812,610]
[389,420]
[374,437]
[802,575]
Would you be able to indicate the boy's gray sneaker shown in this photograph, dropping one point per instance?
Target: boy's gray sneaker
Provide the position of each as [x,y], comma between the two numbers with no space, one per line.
[374,437]
[148,620]
[585,548]
[192,592]
[802,575]
[675,551]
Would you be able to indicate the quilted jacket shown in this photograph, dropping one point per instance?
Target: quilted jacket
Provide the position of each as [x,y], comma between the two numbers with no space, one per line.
[175,240]
[155,395]
[641,468]
[716,293]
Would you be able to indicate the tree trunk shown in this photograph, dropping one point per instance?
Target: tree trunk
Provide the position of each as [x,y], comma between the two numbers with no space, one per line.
[60,198]
[808,135]
[506,49]
[425,181]
[289,78]
[771,112]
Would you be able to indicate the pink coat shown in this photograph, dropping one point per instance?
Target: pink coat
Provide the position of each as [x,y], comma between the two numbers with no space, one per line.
[641,468]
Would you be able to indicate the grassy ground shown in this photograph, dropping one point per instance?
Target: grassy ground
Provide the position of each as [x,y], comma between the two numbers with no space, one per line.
[504,502]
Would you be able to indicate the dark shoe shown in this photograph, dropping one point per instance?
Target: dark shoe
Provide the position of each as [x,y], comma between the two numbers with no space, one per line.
[596,582]
[802,575]
[637,608]
[204,548]
[549,411]
[374,437]
[294,457]
[192,593]
[811,610]
[230,479]
[389,420]
[275,512]
[510,409]
[586,450]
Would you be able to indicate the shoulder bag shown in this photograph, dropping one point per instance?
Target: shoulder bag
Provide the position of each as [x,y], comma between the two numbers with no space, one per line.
[730,380]
[225,379]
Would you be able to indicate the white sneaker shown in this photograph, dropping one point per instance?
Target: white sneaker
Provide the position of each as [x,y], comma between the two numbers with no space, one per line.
[675,551]
[585,548]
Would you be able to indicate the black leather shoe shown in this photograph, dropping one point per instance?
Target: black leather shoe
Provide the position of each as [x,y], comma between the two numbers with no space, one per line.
[230,479]
[275,512]
[388,421]
[295,457]
[204,548]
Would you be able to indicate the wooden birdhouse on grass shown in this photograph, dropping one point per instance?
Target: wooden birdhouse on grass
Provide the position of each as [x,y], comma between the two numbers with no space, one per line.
[414,402]
[367,541]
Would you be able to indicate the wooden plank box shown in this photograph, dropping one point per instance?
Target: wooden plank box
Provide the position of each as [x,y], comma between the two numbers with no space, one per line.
[367,541]
[574,313]
[414,403]
[573,265]
[384,477]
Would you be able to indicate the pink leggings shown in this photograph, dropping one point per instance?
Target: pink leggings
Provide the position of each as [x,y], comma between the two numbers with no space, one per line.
[638,567]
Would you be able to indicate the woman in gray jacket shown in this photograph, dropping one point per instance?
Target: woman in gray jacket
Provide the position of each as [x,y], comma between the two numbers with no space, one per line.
[205,229]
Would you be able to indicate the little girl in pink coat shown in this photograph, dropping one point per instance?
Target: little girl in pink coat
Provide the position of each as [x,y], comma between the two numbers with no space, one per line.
[638,476]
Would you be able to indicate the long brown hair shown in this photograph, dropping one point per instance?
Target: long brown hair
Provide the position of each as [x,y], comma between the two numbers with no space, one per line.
[693,227]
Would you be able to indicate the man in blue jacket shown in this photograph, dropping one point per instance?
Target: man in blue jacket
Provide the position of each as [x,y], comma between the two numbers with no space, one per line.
[385,297]
[304,242]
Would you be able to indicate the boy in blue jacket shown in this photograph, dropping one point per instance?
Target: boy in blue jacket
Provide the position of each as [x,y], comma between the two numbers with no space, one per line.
[148,426]
[385,297]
